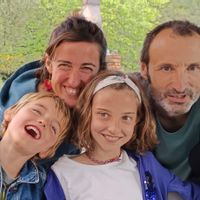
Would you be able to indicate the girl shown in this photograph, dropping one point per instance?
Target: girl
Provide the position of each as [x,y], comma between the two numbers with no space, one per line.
[116,131]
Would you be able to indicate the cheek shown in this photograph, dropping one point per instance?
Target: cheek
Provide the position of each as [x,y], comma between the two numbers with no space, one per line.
[97,125]
[50,141]
[129,130]
[58,76]
[85,78]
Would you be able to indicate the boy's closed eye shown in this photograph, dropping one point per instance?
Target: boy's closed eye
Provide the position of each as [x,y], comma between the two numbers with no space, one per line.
[37,111]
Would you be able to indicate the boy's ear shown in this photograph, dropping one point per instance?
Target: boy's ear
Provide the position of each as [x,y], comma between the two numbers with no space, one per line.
[48,64]
[144,70]
[7,115]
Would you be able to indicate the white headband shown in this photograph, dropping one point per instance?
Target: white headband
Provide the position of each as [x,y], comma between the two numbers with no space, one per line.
[110,80]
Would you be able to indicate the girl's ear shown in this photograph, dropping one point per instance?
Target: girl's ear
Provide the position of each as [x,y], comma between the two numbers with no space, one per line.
[48,64]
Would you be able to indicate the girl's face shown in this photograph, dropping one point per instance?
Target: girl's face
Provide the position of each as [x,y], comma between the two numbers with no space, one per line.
[35,127]
[114,115]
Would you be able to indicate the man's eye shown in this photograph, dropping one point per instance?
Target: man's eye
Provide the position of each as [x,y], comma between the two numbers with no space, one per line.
[193,67]
[166,68]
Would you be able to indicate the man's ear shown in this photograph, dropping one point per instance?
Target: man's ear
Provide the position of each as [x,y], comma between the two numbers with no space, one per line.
[48,64]
[144,70]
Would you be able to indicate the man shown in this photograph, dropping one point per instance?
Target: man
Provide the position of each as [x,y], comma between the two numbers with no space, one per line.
[170,62]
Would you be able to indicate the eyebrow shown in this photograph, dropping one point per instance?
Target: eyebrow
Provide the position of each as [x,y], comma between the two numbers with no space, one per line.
[196,63]
[62,61]
[89,64]
[103,109]
[132,113]
[68,62]
[41,106]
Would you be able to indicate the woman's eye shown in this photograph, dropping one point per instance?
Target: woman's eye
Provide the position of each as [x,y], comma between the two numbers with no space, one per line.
[87,69]
[64,66]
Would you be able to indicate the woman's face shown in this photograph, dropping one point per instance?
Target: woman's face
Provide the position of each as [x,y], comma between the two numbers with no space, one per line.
[73,65]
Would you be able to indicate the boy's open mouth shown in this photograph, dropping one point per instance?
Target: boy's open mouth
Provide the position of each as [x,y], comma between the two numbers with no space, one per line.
[33,131]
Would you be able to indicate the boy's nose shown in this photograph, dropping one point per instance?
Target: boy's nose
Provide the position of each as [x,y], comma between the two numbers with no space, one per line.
[42,122]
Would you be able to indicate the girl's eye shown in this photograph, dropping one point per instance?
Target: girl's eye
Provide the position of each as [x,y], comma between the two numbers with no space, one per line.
[103,115]
[127,118]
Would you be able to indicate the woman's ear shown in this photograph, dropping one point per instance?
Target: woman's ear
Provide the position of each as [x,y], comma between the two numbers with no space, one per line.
[48,64]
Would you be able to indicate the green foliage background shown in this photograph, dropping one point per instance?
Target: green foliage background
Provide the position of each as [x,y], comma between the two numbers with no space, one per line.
[25,26]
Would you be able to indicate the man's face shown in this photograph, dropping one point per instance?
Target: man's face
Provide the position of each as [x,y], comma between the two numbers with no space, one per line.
[174,71]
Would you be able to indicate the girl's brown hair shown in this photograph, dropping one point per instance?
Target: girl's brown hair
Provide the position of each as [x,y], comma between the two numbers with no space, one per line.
[144,138]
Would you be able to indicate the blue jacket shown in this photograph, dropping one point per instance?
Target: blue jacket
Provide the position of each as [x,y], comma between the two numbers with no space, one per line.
[21,82]
[156,181]
[29,184]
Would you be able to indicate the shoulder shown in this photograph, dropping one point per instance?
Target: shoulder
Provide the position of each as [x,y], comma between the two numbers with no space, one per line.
[53,189]
[18,84]
[61,163]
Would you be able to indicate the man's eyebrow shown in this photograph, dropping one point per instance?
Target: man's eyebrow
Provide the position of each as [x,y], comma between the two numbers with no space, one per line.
[194,63]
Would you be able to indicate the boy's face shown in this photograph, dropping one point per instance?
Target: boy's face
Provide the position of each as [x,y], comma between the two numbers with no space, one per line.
[35,127]
[114,115]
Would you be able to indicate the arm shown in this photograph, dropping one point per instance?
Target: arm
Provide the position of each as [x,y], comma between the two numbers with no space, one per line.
[53,189]
[166,182]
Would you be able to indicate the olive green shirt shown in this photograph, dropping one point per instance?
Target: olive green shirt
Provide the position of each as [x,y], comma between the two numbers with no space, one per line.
[174,148]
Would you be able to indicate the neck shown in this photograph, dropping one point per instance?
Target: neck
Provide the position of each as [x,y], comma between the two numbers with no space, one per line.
[102,159]
[10,160]
[172,124]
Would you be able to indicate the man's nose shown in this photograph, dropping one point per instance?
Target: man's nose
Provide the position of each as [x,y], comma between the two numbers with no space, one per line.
[180,81]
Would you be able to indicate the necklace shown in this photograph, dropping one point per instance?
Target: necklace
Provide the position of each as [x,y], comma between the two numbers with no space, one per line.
[103,162]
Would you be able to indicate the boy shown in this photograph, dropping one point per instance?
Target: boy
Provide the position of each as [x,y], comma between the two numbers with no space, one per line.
[32,129]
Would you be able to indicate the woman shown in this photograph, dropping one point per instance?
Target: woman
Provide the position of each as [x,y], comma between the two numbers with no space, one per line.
[76,52]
